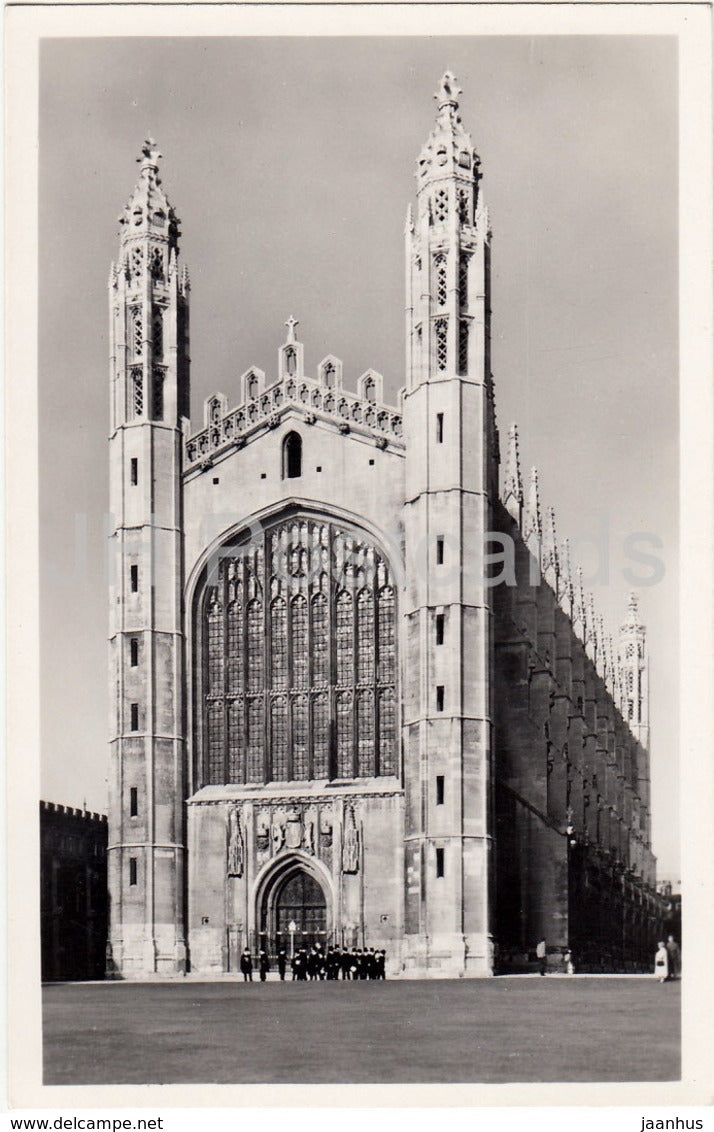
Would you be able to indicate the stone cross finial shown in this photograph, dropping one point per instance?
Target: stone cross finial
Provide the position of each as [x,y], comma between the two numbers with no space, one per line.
[449,91]
[149,153]
[291,324]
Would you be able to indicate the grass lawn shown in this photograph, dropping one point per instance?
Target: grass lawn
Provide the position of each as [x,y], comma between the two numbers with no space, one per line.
[495,1030]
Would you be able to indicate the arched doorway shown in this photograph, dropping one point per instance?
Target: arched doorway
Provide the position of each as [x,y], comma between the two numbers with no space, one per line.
[295,897]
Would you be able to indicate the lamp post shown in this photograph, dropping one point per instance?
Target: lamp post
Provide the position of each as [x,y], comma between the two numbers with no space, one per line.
[292,928]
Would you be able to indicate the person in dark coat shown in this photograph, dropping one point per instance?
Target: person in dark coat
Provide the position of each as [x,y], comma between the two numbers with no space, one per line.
[246,966]
[673,958]
[345,963]
[381,960]
[295,965]
[282,963]
[263,964]
[302,965]
[372,964]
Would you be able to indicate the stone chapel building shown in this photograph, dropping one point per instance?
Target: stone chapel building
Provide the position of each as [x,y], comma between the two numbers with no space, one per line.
[330,708]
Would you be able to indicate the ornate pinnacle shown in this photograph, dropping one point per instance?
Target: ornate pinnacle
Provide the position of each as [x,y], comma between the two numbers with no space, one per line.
[149,153]
[531,515]
[565,581]
[409,223]
[550,549]
[448,92]
[291,324]
[579,605]
[512,485]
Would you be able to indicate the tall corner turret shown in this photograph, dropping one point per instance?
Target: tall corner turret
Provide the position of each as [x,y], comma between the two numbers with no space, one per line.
[149,375]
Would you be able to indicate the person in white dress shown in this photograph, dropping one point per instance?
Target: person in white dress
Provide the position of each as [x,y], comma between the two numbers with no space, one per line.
[660,963]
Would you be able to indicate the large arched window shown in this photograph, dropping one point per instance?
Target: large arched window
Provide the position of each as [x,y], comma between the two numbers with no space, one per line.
[299,672]
[292,456]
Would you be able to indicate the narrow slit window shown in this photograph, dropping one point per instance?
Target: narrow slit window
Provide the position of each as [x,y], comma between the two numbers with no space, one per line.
[134,652]
[134,577]
[134,471]
[440,551]
[132,871]
[439,697]
[440,790]
[133,802]
[439,862]
[440,628]
[134,717]
[292,456]
[439,428]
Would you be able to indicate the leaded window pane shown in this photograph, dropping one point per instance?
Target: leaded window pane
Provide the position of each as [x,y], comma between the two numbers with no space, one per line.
[301,665]
[301,753]
[279,738]
[321,736]
[215,742]
[365,637]
[314,644]
[387,731]
[345,641]
[386,642]
[235,647]
[256,646]
[236,741]
[320,641]
[256,739]
[215,648]
[279,644]
[365,733]
[345,735]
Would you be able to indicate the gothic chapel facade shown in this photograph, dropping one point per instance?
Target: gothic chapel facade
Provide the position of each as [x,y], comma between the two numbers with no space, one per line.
[325,716]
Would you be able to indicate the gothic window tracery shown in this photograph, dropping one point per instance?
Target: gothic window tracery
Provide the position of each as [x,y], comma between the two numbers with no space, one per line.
[440,268]
[464,279]
[440,328]
[137,260]
[137,336]
[158,393]
[158,335]
[137,391]
[441,205]
[463,346]
[157,263]
[302,685]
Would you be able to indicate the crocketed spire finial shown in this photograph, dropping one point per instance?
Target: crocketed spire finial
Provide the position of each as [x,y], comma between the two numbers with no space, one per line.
[291,324]
[633,609]
[149,154]
[448,92]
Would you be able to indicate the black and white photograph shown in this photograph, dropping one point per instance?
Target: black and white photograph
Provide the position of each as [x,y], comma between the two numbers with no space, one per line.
[361,555]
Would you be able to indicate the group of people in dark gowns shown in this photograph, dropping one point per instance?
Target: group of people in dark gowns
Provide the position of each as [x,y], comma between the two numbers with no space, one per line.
[317,964]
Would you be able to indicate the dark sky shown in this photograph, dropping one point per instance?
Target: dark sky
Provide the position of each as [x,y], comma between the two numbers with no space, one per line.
[290,163]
